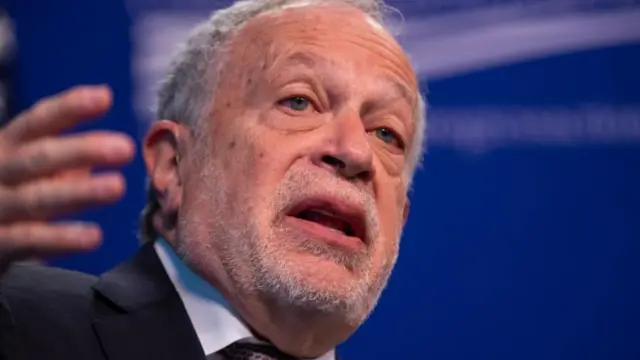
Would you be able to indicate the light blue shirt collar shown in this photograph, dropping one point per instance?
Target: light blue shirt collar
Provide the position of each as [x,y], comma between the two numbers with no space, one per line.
[214,320]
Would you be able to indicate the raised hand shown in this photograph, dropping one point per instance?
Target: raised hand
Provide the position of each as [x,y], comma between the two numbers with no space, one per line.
[44,175]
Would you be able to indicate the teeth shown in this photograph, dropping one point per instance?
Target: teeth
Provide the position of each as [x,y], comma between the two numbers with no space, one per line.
[326,212]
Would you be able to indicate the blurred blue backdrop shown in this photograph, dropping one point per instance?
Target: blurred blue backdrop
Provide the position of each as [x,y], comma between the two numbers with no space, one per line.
[523,237]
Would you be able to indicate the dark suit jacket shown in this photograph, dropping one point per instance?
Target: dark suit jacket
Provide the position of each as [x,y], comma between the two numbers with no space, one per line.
[130,313]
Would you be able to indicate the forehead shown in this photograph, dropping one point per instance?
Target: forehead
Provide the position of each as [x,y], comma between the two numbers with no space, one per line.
[332,34]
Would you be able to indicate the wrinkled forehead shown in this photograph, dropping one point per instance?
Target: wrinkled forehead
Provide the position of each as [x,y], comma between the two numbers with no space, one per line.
[343,31]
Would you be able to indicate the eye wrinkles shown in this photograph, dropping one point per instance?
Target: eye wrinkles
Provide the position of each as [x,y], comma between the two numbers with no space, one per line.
[383,127]
[321,84]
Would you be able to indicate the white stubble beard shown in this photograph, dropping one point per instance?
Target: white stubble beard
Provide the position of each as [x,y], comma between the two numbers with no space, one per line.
[230,235]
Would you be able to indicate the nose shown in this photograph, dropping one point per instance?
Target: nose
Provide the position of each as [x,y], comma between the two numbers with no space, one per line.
[346,149]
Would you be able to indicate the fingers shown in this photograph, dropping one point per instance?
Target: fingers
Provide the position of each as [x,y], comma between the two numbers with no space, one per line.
[53,155]
[44,199]
[52,115]
[73,173]
[43,176]
[28,239]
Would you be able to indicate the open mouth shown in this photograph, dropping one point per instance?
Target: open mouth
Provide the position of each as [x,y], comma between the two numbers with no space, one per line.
[339,217]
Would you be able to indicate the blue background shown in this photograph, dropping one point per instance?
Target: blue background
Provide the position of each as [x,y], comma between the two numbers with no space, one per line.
[524,252]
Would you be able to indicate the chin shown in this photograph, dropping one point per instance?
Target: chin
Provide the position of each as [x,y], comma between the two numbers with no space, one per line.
[327,273]
[320,286]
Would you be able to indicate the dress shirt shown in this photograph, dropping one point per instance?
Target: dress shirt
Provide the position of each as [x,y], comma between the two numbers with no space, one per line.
[214,320]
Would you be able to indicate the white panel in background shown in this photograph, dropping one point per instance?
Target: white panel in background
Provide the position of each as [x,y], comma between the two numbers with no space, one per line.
[156,36]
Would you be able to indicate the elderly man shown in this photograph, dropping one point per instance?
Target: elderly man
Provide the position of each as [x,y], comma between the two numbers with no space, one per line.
[287,138]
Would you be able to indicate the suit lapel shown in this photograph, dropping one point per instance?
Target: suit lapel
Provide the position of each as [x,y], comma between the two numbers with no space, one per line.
[139,315]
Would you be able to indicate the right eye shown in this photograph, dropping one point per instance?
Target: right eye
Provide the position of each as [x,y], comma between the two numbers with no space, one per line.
[297,103]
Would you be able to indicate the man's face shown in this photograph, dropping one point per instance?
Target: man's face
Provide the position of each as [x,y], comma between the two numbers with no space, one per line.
[300,197]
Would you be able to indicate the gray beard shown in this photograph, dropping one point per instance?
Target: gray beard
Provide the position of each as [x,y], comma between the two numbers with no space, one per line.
[258,264]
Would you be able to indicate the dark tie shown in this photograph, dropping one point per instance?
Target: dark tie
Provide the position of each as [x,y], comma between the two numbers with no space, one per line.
[245,351]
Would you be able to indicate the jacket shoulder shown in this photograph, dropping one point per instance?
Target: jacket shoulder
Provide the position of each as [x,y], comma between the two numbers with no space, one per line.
[40,288]
[42,309]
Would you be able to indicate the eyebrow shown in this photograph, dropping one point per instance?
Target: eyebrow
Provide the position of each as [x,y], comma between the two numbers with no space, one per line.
[310,61]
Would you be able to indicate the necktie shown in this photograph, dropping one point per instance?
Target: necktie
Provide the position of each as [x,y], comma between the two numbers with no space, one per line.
[246,351]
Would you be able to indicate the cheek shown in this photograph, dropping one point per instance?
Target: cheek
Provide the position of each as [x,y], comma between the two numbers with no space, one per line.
[393,164]
[391,202]
[257,166]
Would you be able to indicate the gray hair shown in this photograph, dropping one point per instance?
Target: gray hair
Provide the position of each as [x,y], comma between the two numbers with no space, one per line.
[186,93]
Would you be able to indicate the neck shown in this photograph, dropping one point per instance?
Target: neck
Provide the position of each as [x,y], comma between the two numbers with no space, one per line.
[298,332]
[293,331]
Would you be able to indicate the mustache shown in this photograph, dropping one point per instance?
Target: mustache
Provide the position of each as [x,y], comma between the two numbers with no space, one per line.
[302,183]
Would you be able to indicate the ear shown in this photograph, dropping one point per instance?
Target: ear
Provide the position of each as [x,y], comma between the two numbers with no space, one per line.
[161,152]
[405,211]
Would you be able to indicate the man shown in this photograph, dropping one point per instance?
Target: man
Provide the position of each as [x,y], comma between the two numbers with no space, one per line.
[289,132]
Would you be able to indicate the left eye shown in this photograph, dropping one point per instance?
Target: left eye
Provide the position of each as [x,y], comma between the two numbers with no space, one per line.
[296,103]
[389,137]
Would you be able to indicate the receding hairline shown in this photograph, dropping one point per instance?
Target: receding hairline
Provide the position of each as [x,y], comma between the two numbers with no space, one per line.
[375,24]
[409,91]
[300,5]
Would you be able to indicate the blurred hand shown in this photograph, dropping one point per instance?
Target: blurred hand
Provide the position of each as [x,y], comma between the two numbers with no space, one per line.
[44,176]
